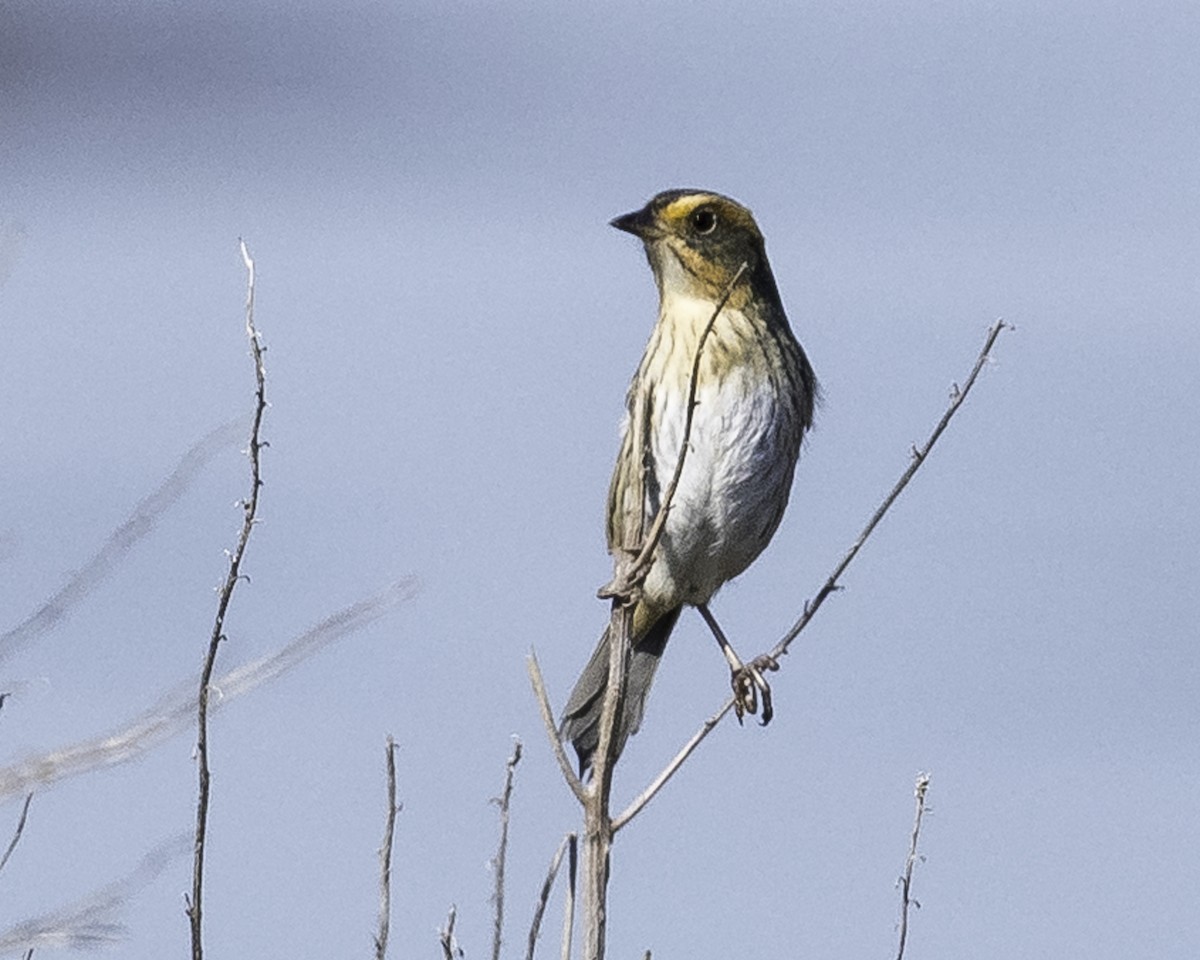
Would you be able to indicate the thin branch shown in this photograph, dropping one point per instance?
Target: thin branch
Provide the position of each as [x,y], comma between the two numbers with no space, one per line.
[12,844]
[385,855]
[450,948]
[176,711]
[906,900]
[535,928]
[668,771]
[560,753]
[957,396]
[569,906]
[503,802]
[141,522]
[249,515]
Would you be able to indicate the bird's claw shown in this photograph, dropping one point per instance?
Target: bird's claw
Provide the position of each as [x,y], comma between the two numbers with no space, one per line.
[748,683]
[621,587]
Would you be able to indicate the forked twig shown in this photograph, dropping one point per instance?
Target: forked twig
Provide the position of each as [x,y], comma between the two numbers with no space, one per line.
[232,576]
[385,856]
[906,900]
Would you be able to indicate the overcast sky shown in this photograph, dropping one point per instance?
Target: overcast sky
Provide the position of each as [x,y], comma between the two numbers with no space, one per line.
[451,328]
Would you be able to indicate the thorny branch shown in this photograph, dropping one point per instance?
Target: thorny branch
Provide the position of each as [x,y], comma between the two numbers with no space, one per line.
[249,515]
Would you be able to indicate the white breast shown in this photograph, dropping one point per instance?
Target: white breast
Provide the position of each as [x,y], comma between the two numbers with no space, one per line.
[737,475]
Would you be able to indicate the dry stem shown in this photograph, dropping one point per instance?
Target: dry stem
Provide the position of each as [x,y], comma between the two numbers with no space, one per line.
[385,856]
[12,844]
[503,802]
[906,900]
[535,928]
[249,514]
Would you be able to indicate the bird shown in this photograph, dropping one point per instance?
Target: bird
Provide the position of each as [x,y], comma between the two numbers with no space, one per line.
[755,395]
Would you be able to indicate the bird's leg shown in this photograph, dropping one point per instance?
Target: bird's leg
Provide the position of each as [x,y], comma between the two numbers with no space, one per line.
[747,680]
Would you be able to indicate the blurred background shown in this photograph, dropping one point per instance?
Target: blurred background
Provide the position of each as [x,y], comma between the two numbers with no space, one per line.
[451,326]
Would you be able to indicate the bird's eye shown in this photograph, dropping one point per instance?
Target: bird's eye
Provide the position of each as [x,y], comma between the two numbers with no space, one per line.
[704,220]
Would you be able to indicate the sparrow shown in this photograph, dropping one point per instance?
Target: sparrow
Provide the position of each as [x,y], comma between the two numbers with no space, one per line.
[755,396]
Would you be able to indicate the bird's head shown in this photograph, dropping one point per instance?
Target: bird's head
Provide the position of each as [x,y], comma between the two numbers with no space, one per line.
[696,241]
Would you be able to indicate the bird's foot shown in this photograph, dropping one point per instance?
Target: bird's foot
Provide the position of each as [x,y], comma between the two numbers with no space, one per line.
[628,577]
[622,587]
[749,684]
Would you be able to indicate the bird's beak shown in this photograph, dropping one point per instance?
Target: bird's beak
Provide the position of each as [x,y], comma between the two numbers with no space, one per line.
[640,223]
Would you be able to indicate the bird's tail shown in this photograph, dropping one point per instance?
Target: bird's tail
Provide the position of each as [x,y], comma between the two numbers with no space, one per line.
[581,717]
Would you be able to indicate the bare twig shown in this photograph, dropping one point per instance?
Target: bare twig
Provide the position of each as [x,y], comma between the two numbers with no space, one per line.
[175,711]
[503,802]
[906,900]
[668,771]
[385,856]
[249,515]
[450,947]
[12,844]
[958,395]
[137,525]
[560,753]
[569,906]
[535,928]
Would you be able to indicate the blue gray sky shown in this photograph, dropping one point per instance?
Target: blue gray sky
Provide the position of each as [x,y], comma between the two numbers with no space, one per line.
[451,327]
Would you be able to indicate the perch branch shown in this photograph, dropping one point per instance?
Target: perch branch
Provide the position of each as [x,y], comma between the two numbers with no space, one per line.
[919,455]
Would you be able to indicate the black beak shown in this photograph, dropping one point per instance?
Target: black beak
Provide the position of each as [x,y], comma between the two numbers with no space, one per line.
[640,223]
